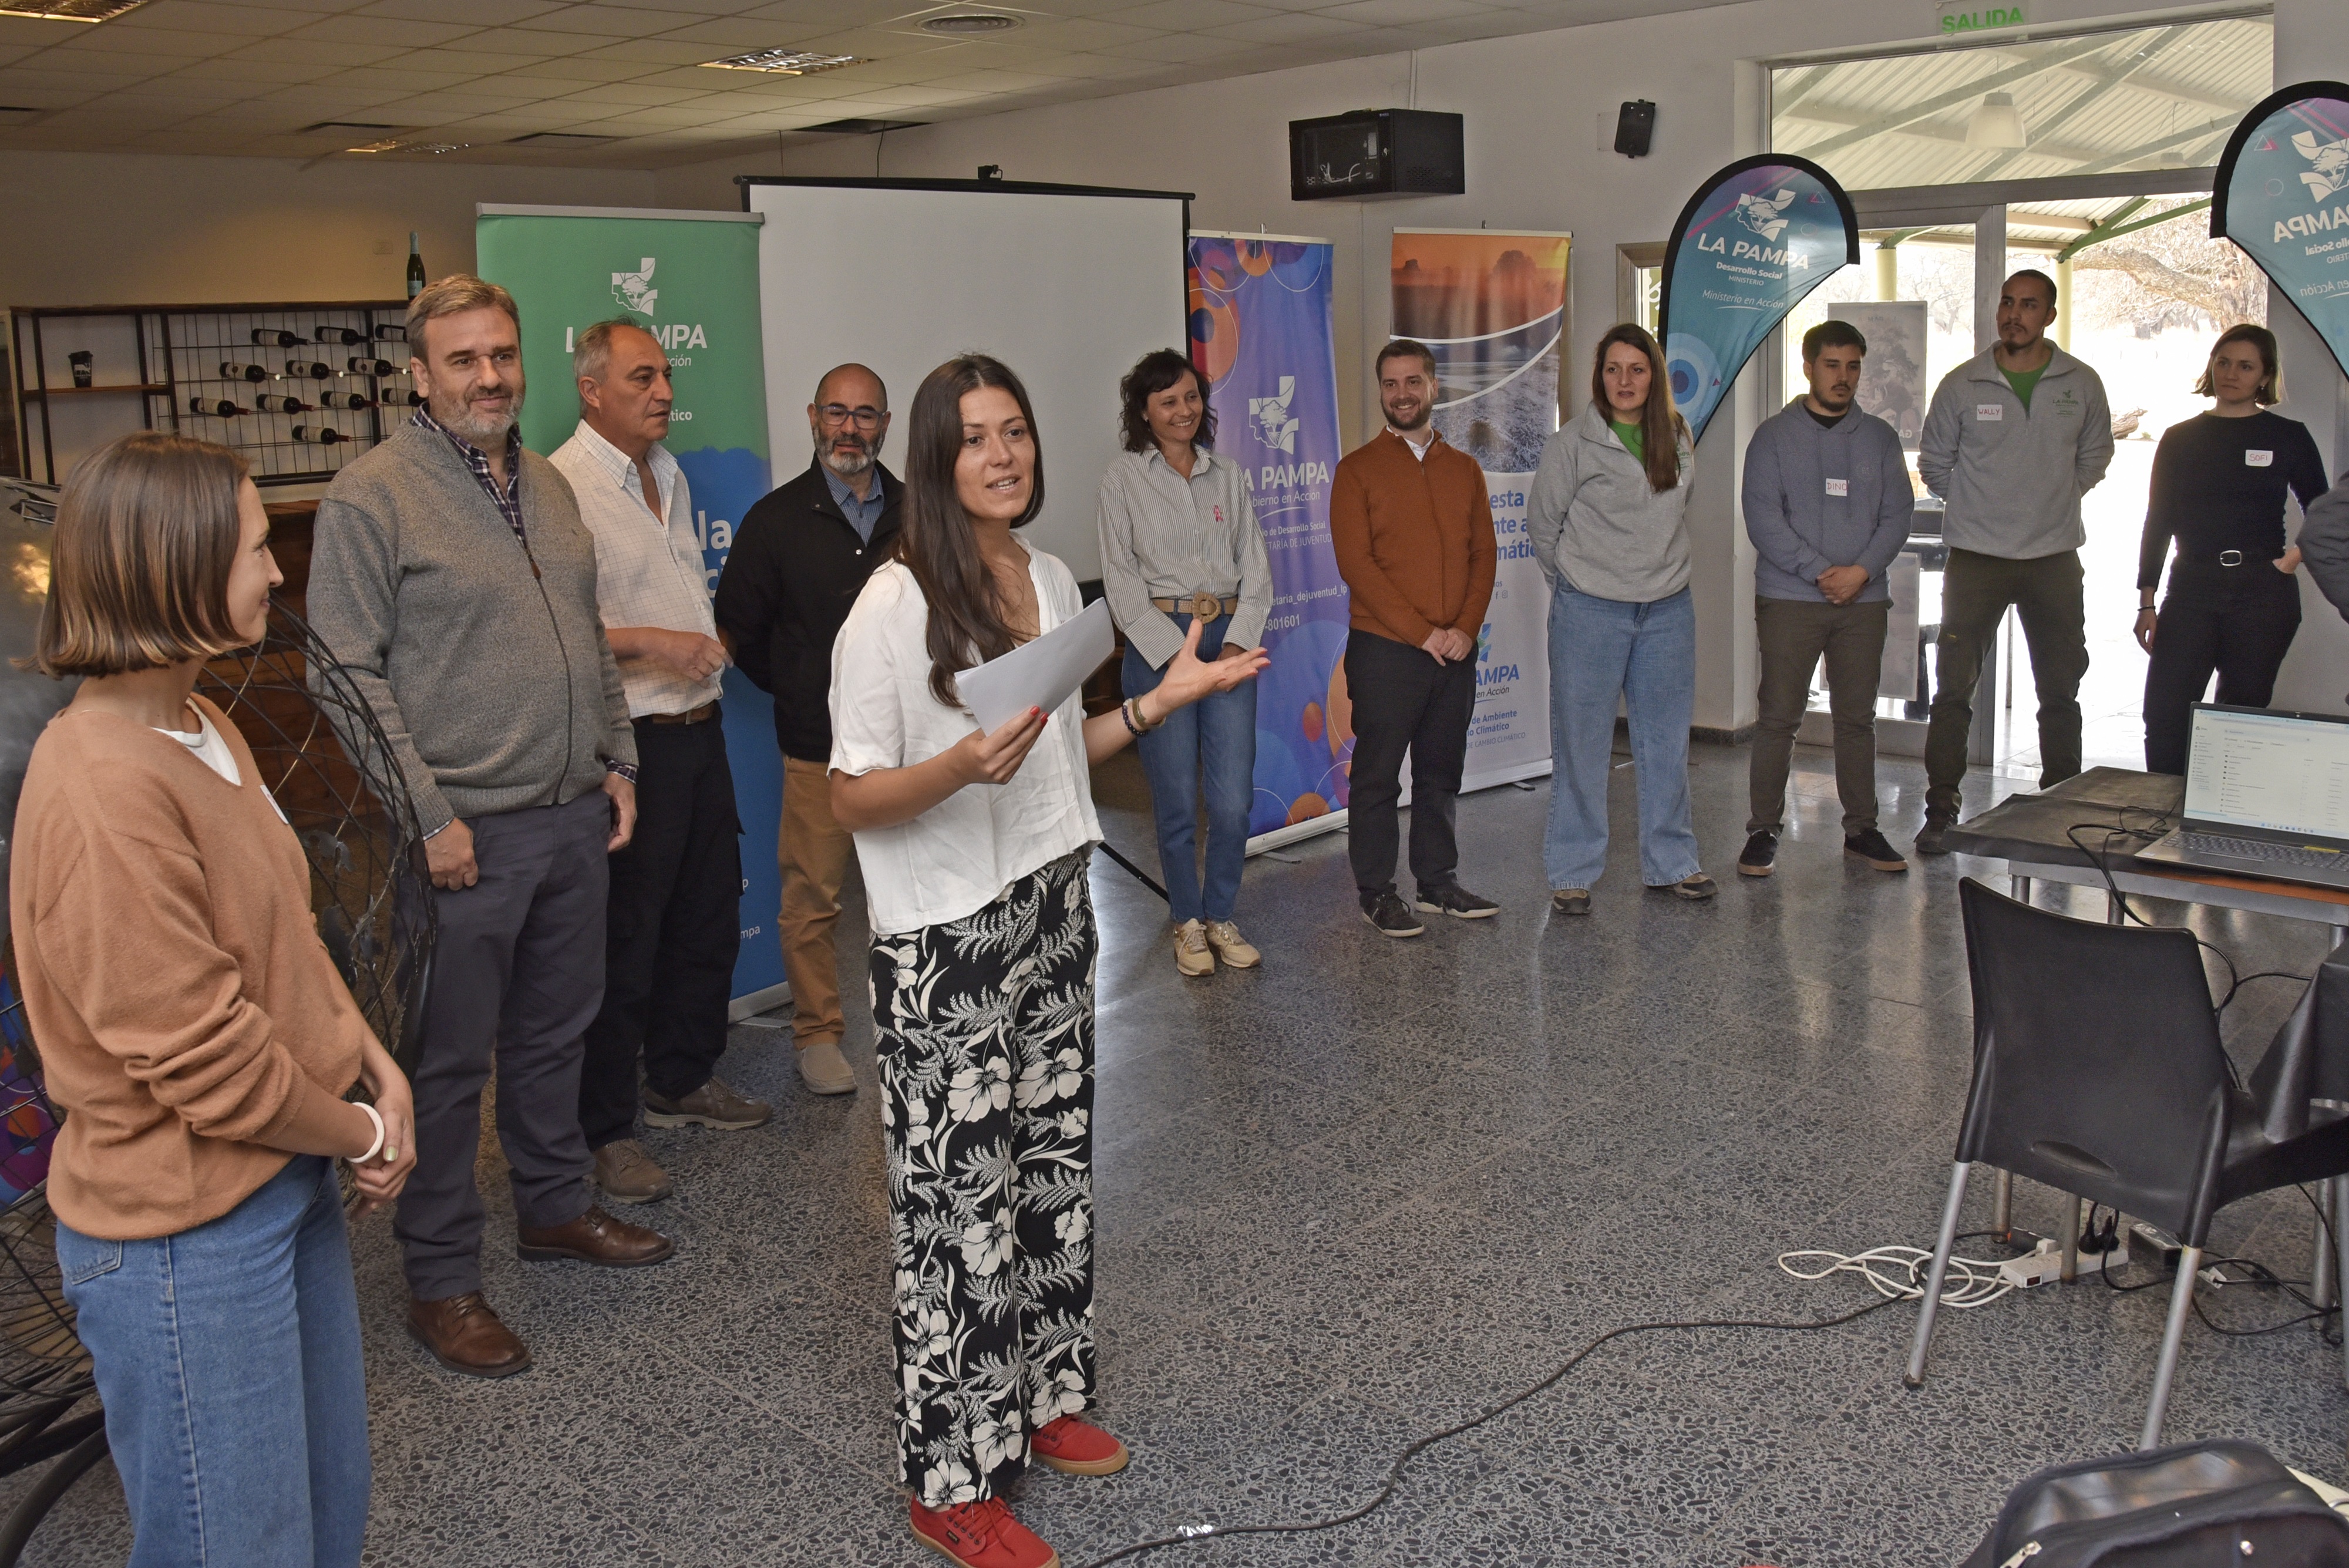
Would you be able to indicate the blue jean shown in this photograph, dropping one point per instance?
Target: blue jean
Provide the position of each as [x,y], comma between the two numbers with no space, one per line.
[1207,749]
[1600,649]
[228,1358]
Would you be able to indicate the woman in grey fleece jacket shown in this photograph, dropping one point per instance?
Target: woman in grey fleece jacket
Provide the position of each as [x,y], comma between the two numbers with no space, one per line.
[1609,518]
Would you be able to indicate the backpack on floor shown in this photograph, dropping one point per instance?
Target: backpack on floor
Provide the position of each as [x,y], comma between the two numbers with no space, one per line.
[2198,1505]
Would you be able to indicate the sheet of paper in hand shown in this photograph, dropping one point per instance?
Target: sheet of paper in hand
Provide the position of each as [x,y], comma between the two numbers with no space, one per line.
[1039,674]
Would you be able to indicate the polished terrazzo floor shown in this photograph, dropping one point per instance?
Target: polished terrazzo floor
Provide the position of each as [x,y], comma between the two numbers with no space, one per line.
[1360,1195]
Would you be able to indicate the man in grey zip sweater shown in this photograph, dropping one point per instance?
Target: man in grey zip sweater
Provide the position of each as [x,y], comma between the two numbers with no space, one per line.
[1827,504]
[2014,438]
[453,579]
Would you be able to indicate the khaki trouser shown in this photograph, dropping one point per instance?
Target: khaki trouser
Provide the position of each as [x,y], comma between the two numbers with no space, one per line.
[813,852]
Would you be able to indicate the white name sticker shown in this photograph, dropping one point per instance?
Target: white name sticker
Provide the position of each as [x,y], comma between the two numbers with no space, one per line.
[2257,459]
[1988,413]
[1838,487]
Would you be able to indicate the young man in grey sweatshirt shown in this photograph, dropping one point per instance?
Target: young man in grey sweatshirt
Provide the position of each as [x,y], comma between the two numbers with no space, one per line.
[1827,504]
[2014,438]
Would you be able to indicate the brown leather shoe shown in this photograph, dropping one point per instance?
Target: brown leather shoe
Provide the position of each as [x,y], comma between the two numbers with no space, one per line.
[594,1238]
[465,1336]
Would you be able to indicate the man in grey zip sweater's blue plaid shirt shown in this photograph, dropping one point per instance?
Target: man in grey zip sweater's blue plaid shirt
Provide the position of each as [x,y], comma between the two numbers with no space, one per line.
[1827,504]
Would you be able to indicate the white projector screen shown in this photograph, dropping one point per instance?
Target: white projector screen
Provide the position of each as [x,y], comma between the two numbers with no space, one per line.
[1067,285]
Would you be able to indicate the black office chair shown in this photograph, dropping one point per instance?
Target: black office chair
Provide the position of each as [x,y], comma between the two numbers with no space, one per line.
[2098,1070]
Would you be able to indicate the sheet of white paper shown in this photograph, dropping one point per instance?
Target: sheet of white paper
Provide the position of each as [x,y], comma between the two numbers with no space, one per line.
[1039,674]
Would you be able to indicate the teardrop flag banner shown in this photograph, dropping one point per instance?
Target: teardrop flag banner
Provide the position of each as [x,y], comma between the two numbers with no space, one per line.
[1753,240]
[2283,196]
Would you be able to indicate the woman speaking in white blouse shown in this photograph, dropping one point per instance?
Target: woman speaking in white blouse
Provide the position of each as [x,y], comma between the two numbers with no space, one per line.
[974,849]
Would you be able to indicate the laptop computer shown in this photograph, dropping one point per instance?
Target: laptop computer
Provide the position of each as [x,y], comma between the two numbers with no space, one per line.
[2267,794]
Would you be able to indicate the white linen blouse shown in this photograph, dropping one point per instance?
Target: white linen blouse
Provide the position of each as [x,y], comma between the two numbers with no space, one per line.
[962,854]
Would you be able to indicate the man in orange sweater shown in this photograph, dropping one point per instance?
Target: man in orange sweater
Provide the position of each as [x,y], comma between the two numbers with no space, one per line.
[1411,523]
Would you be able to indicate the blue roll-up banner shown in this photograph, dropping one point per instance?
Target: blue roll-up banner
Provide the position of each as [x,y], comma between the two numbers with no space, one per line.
[2283,196]
[1753,240]
[1261,330]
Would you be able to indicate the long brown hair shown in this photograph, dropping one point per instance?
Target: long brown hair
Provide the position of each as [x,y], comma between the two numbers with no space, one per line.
[1659,423]
[968,621]
[147,531]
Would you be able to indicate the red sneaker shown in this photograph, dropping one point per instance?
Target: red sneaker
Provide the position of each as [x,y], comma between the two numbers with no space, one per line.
[1076,1448]
[981,1535]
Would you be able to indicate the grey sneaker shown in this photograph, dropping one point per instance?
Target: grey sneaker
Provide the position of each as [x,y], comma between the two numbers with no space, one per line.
[1928,838]
[1569,901]
[711,1105]
[824,1069]
[1694,887]
[626,1174]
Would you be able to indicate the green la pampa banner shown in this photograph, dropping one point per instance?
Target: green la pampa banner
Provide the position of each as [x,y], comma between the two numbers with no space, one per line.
[691,279]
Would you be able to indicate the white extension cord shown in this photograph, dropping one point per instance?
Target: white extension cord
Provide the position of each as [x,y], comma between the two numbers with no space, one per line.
[1899,1272]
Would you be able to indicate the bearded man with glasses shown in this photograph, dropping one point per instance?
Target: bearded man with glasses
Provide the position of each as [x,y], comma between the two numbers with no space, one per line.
[798,561]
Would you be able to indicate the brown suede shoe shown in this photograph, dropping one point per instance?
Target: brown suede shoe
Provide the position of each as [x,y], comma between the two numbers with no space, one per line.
[465,1336]
[594,1238]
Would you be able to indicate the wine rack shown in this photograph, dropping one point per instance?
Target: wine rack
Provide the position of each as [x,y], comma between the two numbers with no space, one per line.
[175,367]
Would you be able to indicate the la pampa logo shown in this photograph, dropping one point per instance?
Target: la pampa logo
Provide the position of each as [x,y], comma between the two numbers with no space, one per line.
[2331,161]
[1275,426]
[634,291]
[1765,215]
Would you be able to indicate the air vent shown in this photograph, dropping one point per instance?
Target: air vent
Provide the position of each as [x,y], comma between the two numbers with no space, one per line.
[962,24]
[559,138]
[68,10]
[349,127]
[855,127]
[783,62]
[13,114]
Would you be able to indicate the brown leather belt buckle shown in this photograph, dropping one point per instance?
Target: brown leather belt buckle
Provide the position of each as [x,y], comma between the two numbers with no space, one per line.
[708,710]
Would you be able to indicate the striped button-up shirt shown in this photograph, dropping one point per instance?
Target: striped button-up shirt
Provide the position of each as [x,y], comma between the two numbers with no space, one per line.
[1165,536]
[648,569]
[509,496]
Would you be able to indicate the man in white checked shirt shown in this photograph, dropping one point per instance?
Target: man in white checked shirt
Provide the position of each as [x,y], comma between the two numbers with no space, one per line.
[672,926]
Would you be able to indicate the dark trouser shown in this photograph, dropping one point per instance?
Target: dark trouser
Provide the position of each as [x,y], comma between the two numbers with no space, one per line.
[672,931]
[1405,700]
[1975,593]
[2237,620]
[1794,634]
[517,975]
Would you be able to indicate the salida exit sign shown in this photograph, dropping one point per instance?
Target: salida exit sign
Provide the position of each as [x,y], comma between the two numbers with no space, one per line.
[1966,16]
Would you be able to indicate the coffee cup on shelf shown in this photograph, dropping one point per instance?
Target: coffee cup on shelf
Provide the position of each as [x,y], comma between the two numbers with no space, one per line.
[80,359]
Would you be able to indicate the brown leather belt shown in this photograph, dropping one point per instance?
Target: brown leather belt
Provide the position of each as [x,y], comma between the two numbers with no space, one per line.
[695,716]
[1199,607]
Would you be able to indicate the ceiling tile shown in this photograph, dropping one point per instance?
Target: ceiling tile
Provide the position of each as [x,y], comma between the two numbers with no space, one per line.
[655,53]
[829,12]
[612,21]
[207,17]
[735,34]
[619,95]
[389,79]
[574,70]
[1179,48]
[1290,29]
[517,44]
[463,13]
[1190,16]
[392,32]
[234,69]
[465,62]
[315,51]
[1403,12]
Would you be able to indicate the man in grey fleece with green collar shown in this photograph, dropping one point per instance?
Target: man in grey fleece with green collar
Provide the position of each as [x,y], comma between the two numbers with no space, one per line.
[2014,438]
[454,580]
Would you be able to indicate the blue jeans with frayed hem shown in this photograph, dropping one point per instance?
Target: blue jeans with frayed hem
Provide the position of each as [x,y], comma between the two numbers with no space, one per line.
[1645,654]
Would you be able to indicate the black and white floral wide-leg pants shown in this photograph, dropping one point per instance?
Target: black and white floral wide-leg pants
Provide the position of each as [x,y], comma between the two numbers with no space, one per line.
[984,1030]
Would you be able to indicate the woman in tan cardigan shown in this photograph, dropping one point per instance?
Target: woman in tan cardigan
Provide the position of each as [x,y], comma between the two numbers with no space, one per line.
[196,1035]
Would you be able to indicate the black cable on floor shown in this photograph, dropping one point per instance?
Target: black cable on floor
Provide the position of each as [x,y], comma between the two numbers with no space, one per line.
[1191,1534]
[1139,874]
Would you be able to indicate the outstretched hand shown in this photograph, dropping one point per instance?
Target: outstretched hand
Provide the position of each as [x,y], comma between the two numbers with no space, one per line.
[1189,677]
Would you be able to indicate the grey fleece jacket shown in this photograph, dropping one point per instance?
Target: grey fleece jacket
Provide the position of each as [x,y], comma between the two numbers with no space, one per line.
[1815,498]
[1599,525]
[485,663]
[2325,545]
[2013,476]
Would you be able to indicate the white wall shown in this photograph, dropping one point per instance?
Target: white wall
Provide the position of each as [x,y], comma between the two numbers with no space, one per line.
[1531,105]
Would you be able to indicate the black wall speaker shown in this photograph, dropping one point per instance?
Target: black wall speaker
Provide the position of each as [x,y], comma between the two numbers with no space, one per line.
[1635,126]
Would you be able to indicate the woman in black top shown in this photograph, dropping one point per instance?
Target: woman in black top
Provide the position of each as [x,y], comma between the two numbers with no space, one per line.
[2218,484]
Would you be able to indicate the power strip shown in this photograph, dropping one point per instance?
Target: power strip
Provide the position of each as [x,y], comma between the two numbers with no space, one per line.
[2043,1265]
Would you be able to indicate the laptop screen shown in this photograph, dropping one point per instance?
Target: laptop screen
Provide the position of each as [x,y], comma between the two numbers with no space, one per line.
[2285,772]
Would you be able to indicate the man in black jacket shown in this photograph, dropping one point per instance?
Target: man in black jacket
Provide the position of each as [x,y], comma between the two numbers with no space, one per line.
[798,561]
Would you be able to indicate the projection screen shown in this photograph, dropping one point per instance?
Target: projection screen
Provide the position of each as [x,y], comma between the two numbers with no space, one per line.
[1068,284]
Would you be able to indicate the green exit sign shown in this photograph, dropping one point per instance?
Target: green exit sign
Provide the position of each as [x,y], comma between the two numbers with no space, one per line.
[1966,17]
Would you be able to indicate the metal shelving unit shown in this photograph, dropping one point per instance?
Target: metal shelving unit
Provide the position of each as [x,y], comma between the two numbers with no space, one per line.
[151,362]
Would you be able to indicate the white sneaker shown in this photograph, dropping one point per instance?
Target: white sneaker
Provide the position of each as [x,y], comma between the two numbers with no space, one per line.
[1191,954]
[824,1069]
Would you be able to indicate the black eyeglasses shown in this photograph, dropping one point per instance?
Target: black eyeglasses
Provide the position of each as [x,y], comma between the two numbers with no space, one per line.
[841,413]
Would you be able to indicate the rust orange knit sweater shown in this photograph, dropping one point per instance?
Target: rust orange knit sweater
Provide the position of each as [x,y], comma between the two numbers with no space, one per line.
[1413,539]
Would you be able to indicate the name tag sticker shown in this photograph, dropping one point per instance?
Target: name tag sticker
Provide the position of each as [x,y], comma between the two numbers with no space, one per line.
[2257,459]
[1988,413]
[1838,487]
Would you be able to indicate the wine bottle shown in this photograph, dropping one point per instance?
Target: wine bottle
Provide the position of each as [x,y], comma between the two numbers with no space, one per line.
[308,370]
[275,337]
[220,408]
[233,371]
[318,435]
[344,400]
[414,266]
[274,404]
[403,397]
[390,332]
[361,365]
[343,334]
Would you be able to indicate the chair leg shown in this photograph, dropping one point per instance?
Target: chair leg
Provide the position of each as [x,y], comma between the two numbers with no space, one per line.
[2339,1214]
[2181,1302]
[1915,1377]
[2002,1207]
[2071,1268]
[2321,1286]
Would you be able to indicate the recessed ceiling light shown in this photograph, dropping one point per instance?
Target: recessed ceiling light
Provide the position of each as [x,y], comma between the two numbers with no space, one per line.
[784,62]
[969,22]
[68,10]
